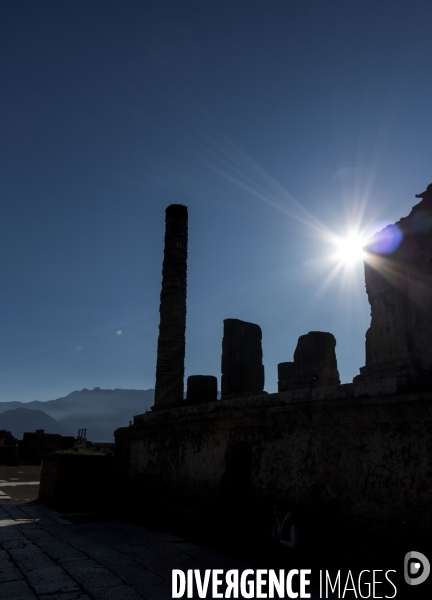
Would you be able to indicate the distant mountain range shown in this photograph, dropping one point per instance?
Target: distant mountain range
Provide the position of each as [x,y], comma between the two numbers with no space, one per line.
[98,411]
[20,420]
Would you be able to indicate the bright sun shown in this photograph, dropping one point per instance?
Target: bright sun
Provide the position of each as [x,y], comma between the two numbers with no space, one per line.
[350,249]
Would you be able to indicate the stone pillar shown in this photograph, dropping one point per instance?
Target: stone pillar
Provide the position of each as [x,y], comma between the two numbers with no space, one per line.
[171,342]
[398,276]
[314,363]
[242,368]
[286,376]
[201,388]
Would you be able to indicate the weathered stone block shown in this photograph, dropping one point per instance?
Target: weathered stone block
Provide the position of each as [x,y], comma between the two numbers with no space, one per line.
[242,368]
[314,363]
[385,386]
[201,388]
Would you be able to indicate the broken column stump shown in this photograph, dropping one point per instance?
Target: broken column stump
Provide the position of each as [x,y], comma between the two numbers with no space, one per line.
[201,388]
[242,367]
[314,363]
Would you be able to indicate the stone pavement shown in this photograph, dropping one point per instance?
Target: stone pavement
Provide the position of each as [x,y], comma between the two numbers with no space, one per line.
[45,557]
[19,484]
[11,484]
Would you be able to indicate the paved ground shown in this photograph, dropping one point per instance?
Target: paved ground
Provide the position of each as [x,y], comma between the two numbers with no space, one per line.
[45,557]
[19,484]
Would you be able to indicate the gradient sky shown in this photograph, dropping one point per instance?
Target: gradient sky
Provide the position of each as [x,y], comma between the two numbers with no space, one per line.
[278,123]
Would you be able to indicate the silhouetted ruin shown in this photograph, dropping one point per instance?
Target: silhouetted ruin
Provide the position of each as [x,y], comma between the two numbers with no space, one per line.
[201,388]
[398,274]
[8,448]
[171,342]
[242,367]
[35,446]
[314,363]
[316,443]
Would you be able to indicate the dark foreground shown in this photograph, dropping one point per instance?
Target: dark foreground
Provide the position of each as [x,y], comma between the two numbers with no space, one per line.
[46,555]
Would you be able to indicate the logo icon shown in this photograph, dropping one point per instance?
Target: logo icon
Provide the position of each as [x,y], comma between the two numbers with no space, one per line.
[416,568]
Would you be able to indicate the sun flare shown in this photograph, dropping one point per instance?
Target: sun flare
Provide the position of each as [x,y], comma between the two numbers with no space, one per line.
[350,249]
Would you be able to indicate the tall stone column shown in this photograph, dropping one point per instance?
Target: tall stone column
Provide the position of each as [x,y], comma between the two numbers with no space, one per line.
[171,342]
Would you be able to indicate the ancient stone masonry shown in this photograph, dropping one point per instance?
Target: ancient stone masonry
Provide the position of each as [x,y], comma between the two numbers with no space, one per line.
[398,274]
[201,388]
[242,367]
[171,342]
[314,363]
[361,448]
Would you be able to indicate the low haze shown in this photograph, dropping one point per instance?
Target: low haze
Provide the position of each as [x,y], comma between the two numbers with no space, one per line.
[284,126]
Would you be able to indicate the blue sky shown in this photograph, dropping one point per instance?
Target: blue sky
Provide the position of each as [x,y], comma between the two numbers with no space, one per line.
[279,124]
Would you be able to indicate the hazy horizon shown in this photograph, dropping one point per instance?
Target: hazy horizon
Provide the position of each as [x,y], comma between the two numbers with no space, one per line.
[82,390]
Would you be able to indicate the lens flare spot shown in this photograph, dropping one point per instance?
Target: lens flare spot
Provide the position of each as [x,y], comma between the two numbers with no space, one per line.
[119,332]
[385,241]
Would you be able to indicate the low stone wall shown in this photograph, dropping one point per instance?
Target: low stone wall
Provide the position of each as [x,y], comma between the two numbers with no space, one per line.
[324,448]
[76,482]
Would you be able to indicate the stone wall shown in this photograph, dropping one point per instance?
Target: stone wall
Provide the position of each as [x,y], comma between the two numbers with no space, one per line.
[360,449]
[398,276]
[325,448]
[77,481]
